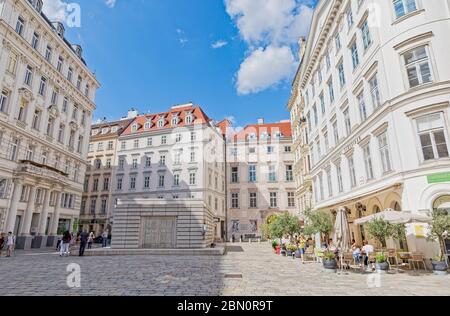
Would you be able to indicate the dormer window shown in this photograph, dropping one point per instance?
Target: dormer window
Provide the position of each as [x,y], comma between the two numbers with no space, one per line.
[161,122]
[94,132]
[252,136]
[175,121]
[147,125]
[39,5]
[134,128]
[189,119]
[114,129]
[265,135]
[278,135]
[105,130]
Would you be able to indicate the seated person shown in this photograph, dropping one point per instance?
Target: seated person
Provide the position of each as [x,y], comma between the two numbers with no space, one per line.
[356,250]
[367,250]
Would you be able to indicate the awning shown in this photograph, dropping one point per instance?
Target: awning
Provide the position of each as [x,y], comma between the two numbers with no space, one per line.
[395,217]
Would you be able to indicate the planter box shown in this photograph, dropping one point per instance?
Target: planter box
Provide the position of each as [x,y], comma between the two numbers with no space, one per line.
[439,267]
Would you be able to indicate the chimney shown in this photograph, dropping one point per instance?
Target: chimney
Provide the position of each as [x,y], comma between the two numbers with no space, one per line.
[132,113]
[302,48]
[260,121]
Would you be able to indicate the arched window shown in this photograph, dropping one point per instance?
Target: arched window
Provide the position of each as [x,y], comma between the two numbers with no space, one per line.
[189,119]
[134,128]
[175,121]
[161,122]
[442,203]
[147,125]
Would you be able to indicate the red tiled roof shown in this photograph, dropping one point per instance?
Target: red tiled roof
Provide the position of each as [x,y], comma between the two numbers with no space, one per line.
[199,117]
[224,126]
[258,129]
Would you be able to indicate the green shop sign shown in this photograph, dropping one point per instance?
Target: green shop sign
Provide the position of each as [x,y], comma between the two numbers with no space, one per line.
[439,177]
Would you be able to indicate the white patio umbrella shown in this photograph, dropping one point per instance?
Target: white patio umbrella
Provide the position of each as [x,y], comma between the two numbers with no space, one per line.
[395,217]
[342,233]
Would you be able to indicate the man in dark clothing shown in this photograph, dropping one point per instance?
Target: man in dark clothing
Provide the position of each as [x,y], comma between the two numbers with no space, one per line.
[84,236]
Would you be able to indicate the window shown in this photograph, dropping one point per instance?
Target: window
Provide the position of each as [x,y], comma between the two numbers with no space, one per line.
[349,16]
[362,106]
[161,181]
[374,91]
[175,121]
[123,145]
[272,177]
[79,81]
[341,74]
[188,119]
[177,157]
[351,167]
[234,200]
[289,173]
[98,164]
[234,175]
[48,53]
[14,149]
[384,152]
[87,90]
[337,41]
[136,143]
[321,192]
[133,182]
[339,178]
[103,206]
[61,131]
[134,163]
[146,181]
[108,163]
[367,38]
[330,184]
[355,56]
[316,116]
[50,124]
[148,161]
[178,138]
[193,136]
[291,199]
[119,183]
[327,142]
[273,199]
[162,160]
[28,76]
[70,74]
[192,178]
[93,203]
[65,104]
[270,149]
[35,40]
[252,173]
[95,185]
[432,136]
[60,64]
[4,98]
[328,61]
[106,184]
[36,120]
[121,163]
[418,66]
[322,104]
[163,140]
[100,146]
[253,200]
[176,180]
[20,25]
[335,133]
[75,113]
[287,149]
[54,101]
[110,145]
[192,156]
[161,123]
[404,7]
[368,162]
[348,123]
[42,86]
[149,142]
[331,91]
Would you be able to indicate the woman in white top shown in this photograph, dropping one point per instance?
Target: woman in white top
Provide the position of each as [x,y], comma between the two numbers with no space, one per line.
[10,243]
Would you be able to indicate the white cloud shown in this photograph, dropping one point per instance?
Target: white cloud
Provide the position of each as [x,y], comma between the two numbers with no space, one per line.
[219,44]
[110,3]
[182,39]
[270,28]
[55,10]
[264,68]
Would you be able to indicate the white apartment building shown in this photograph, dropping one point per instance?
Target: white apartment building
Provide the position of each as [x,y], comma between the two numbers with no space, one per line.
[169,185]
[375,82]
[46,104]
[260,177]
[97,204]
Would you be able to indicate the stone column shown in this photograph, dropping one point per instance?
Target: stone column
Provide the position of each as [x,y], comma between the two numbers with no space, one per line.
[12,214]
[40,241]
[53,231]
[24,240]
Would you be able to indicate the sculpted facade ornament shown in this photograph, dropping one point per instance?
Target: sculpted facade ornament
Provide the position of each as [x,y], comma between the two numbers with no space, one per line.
[53,111]
[73,125]
[26,94]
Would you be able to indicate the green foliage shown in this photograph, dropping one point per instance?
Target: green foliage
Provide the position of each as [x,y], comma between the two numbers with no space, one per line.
[292,248]
[275,244]
[439,228]
[318,222]
[379,229]
[283,225]
[266,231]
[329,255]
[381,258]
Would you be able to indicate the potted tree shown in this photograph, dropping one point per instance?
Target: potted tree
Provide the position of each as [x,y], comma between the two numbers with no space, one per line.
[329,262]
[381,264]
[318,222]
[379,229]
[439,228]
[291,249]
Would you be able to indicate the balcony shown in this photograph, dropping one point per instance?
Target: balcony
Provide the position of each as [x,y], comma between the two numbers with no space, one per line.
[28,167]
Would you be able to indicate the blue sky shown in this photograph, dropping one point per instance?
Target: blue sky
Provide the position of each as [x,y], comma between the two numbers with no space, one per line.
[235,58]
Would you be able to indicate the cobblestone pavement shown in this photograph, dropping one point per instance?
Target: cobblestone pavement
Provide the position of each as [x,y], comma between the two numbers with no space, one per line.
[263,273]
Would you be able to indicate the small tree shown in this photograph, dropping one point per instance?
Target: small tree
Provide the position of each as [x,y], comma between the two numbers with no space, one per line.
[379,229]
[318,222]
[439,228]
[285,224]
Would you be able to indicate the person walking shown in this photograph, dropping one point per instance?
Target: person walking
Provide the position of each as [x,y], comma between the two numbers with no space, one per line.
[65,244]
[84,236]
[91,240]
[105,239]
[10,243]
[2,243]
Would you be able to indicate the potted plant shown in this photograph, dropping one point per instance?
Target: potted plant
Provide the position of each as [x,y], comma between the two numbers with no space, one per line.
[439,228]
[329,262]
[318,222]
[381,264]
[275,245]
[290,249]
